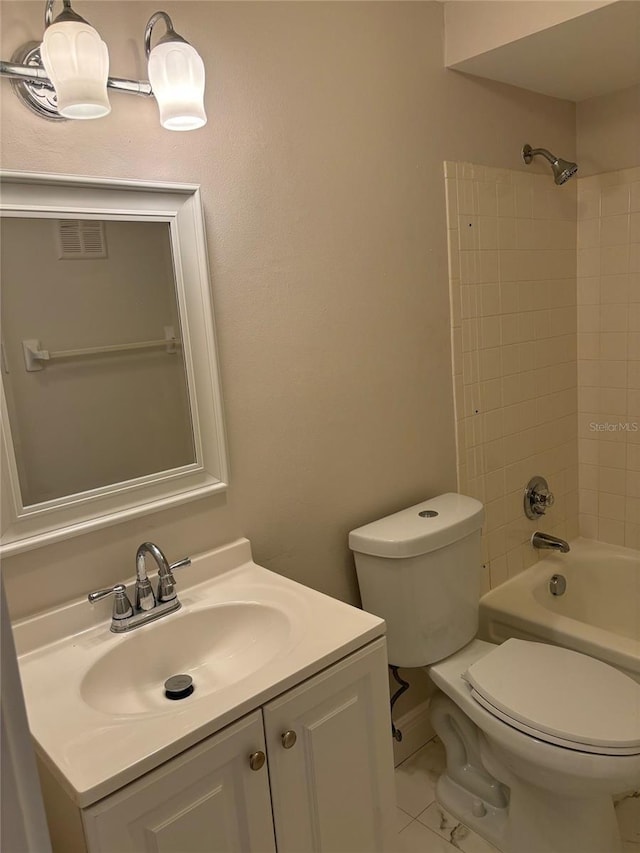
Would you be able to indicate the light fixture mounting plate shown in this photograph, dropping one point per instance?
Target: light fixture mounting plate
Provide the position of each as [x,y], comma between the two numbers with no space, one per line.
[38,95]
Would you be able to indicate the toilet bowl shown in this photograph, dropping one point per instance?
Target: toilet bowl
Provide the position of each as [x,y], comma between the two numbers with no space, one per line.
[556,793]
[538,738]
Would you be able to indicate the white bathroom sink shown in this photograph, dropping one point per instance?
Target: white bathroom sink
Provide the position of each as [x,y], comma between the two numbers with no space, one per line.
[216,646]
[95,700]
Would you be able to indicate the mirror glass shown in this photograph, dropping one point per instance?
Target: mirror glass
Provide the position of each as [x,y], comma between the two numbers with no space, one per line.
[97,397]
[111,403]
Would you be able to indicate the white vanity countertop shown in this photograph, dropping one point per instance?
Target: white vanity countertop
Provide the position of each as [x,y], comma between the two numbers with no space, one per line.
[91,747]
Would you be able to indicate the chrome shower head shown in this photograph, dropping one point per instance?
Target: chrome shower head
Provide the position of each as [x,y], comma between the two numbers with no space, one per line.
[562,169]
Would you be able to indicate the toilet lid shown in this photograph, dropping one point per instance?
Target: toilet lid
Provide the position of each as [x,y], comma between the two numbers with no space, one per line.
[559,696]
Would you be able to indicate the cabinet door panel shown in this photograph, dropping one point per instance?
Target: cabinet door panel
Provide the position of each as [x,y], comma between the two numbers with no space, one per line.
[206,823]
[207,800]
[333,791]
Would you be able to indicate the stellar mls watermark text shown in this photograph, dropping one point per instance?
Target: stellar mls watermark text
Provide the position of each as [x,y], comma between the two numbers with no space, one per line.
[621,426]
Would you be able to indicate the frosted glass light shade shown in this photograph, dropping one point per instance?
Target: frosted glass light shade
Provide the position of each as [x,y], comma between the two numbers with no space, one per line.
[176,74]
[77,63]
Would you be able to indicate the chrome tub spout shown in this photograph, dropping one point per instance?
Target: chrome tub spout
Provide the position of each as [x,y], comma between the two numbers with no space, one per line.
[552,543]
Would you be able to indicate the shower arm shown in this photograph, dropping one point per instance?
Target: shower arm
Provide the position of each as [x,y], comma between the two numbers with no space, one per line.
[529,153]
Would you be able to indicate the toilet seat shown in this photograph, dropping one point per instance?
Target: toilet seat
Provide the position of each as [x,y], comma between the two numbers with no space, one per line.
[559,696]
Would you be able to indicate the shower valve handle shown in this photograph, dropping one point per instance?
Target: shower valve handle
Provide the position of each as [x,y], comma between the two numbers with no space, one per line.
[538,498]
[544,498]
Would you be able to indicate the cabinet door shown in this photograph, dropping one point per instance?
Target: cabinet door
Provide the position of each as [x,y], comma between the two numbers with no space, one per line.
[207,800]
[333,790]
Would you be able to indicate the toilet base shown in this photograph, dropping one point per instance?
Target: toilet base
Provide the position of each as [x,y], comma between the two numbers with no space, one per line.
[540,821]
[533,824]
[546,821]
[490,822]
[496,791]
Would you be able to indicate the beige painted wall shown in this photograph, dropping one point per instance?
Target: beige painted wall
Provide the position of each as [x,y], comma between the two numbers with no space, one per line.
[551,47]
[321,173]
[476,26]
[608,132]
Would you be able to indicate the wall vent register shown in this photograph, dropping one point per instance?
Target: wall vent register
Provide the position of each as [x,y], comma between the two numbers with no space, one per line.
[80,239]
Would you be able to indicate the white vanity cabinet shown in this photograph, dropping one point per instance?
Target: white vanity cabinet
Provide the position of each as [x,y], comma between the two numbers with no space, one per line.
[331,761]
[207,799]
[283,673]
[326,784]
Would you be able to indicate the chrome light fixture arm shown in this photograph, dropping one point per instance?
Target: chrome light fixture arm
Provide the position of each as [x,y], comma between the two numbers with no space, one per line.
[67,13]
[36,91]
[30,70]
[31,73]
[170,35]
[133,87]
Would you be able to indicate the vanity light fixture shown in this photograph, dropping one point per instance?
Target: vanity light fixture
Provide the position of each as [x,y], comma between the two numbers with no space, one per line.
[176,74]
[77,63]
[66,76]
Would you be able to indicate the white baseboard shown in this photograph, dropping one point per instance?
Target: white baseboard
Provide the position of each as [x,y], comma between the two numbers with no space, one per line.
[416,731]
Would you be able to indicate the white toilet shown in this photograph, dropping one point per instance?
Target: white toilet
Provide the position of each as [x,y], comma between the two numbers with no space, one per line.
[538,738]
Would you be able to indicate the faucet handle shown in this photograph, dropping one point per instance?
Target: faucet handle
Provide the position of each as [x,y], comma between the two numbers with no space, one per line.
[122,608]
[166,582]
[537,498]
[544,498]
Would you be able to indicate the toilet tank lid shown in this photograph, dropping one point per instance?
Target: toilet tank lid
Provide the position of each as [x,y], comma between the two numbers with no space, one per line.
[417,530]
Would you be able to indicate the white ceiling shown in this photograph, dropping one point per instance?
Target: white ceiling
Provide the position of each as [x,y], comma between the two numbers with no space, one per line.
[589,55]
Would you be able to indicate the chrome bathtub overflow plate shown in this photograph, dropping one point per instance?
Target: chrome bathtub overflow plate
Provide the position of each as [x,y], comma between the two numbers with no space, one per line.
[558,585]
[537,497]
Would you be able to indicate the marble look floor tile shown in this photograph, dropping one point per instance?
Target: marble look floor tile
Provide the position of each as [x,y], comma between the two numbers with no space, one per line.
[417,776]
[453,831]
[415,789]
[628,814]
[402,819]
[416,838]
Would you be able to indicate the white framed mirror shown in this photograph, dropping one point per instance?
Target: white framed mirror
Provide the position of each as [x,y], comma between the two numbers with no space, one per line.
[111,401]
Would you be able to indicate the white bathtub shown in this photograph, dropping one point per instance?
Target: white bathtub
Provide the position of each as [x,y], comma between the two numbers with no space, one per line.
[599,614]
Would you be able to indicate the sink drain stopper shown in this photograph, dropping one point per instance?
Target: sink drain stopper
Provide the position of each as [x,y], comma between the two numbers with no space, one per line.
[178,687]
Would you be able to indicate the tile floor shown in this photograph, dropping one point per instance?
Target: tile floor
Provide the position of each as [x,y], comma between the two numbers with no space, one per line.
[424,826]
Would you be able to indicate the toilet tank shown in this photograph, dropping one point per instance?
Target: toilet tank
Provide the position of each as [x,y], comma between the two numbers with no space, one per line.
[420,570]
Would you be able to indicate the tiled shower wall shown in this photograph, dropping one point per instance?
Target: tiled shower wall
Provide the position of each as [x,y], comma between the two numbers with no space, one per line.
[512,262]
[609,356]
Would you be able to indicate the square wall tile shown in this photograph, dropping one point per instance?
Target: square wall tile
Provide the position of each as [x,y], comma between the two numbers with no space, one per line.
[517,286]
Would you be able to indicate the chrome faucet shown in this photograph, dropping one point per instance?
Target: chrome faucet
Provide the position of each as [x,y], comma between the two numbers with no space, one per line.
[145,599]
[148,606]
[166,580]
[553,543]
